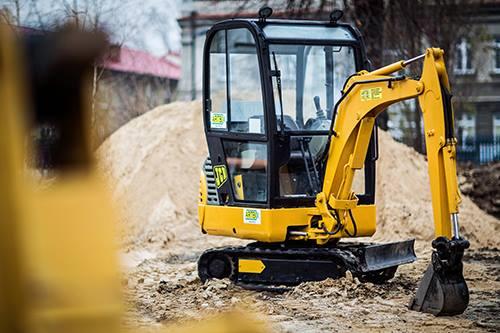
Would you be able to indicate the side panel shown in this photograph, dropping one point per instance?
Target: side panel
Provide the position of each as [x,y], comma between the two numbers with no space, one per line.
[271,225]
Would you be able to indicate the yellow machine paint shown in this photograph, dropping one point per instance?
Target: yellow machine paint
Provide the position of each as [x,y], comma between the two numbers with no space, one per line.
[274,223]
[347,154]
[251,266]
[59,269]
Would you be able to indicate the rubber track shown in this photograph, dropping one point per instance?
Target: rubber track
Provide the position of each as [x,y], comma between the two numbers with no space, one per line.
[344,255]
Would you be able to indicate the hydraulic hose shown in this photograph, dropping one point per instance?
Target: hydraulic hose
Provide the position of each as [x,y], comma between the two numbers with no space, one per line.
[354,226]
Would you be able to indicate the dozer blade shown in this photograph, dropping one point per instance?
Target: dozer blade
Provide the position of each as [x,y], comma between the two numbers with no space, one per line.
[443,290]
[379,256]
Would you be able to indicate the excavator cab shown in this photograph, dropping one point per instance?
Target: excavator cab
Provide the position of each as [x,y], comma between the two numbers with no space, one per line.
[270,87]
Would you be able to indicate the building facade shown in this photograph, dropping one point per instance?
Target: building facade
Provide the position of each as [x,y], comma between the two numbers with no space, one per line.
[127,83]
[477,76]
[131,82]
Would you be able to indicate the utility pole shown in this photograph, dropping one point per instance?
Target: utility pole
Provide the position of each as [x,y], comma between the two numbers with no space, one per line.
[193,54]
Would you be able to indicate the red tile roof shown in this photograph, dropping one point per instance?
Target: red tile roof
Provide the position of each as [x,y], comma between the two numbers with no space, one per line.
[140,62]
[128,60]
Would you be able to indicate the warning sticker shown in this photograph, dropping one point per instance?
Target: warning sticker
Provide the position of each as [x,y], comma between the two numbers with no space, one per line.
[220,174]
[217,120]
[251,216]
[371,94]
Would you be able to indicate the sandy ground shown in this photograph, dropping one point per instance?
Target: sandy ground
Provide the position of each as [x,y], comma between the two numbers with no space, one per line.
[153,164]
[166,289]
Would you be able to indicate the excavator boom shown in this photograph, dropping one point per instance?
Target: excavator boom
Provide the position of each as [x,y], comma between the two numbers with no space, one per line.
[443,290]
[369,94]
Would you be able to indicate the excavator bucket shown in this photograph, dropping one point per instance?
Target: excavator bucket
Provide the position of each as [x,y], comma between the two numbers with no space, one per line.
[443,290]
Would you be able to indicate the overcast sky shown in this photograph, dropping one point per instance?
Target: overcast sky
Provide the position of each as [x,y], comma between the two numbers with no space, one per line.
[148,25]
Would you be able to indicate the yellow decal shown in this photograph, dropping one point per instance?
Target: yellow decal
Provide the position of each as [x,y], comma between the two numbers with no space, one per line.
[254,266]
[217,120]
[371,94]
[238,187]
[251,216]
[220,174]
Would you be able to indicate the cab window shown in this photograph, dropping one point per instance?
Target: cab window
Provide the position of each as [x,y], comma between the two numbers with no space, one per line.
[311,78]
[247,164]
[235,83]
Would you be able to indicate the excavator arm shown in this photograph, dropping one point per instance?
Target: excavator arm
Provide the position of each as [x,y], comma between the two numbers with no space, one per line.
[443,290]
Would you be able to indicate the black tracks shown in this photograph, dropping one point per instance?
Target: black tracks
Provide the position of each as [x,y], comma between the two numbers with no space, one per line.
[287,265]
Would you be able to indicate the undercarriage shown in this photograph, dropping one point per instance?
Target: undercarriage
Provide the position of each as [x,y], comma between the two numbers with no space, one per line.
[277,266]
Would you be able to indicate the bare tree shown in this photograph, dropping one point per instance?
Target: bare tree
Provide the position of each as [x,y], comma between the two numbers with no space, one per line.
[417,24]
[399,29]
[10,11]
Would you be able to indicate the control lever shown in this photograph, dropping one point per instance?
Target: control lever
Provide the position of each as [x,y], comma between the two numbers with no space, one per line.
[320,114]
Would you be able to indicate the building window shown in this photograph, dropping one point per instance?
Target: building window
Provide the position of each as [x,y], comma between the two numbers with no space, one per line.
[463,57]
[496,126]
[466,129]
[497,55]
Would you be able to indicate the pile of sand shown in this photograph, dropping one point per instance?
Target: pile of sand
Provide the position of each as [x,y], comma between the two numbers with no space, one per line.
[403,199]
[482,184]
[154,162]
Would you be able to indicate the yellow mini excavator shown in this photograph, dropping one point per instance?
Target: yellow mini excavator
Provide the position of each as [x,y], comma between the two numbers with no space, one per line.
[297,177]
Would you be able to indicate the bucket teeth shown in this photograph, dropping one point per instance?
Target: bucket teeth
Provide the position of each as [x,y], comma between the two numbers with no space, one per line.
[443,290]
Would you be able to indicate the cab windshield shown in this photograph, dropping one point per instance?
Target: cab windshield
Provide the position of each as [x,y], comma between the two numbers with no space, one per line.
[312,77]
[307,82]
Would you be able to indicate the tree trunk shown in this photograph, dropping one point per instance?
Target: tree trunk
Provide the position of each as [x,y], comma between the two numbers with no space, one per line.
[369,18]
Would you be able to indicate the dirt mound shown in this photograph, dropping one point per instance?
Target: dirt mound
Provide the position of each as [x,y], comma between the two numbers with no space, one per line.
[154,165]
[155,162]
[403,199]
[346,288]
[482,185]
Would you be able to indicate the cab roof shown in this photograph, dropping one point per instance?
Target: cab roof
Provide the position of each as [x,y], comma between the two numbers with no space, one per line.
[281,29]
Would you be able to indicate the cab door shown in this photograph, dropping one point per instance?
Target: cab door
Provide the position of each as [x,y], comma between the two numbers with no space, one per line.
[234,115]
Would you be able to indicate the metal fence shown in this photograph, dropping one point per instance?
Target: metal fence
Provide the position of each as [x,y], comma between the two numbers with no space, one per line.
[481,151]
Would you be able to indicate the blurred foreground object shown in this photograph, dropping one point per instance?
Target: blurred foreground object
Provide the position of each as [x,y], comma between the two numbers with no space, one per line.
[232,322]
[59,270]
